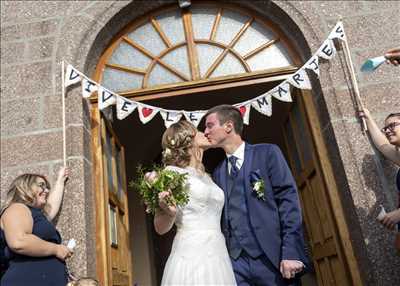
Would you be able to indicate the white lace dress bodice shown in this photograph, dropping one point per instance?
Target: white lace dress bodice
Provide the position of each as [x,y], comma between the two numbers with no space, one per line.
[199,255]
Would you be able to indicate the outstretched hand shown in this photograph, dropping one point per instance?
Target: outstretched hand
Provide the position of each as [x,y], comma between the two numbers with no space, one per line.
[289,268]
[393,56]
[63,175]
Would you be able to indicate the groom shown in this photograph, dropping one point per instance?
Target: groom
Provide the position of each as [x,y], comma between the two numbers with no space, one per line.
[261,220]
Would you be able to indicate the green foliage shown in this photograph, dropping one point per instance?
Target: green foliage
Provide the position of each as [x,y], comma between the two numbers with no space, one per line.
[149,187]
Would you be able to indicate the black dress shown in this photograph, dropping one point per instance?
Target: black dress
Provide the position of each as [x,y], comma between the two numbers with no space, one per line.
[36,271]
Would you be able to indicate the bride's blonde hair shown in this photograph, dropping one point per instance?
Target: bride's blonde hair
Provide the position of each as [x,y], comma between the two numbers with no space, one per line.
[178,145]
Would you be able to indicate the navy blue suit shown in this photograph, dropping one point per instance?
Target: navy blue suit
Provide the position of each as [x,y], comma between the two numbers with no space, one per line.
[276,222]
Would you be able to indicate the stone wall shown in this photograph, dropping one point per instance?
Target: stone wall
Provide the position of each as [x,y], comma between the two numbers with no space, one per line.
[37,35]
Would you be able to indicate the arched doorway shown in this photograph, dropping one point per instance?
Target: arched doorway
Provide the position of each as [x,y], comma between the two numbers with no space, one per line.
[193,59]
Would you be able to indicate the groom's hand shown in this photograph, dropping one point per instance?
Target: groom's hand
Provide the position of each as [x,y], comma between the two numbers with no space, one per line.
[289,268]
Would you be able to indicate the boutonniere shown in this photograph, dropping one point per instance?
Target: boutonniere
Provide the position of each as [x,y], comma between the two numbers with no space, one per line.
[258,184]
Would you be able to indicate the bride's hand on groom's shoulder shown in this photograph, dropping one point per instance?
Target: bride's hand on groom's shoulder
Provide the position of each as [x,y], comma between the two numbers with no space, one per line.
[165,200]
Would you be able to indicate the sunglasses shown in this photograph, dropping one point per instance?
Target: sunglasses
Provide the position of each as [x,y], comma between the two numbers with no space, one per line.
[390,127]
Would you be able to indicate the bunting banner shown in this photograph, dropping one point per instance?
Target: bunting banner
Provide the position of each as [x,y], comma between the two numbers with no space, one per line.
[262,103]
[124,107]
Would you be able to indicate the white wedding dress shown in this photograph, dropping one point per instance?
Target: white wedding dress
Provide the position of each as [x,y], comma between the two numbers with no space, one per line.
[199,255]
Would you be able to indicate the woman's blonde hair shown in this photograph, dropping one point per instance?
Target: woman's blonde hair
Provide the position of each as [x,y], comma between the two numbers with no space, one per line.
[178,145]
[20,191]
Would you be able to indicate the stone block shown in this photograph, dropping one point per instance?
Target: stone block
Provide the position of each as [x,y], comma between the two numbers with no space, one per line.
[26,80]
[12,53]
[23,11]
[20,116]
[337,9]
[40,49]
[366,31]
[32,149]
[79,142]
[25,31]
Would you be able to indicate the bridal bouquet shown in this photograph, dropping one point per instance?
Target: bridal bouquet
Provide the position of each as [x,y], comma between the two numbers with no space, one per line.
[150,184]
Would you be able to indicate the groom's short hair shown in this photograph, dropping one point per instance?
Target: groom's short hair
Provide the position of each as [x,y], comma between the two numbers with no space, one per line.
[226,112]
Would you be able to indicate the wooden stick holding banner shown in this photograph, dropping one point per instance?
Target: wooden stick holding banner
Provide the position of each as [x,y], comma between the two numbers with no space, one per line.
[354,80]
[63,114]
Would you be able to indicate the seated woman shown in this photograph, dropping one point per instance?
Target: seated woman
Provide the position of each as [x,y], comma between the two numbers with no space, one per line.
[32,243]
[387,141]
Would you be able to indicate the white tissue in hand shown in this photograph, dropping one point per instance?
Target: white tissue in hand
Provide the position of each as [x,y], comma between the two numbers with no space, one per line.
[71,244]
[381,214]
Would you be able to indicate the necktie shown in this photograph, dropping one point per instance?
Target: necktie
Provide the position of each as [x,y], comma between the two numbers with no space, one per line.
[234,168]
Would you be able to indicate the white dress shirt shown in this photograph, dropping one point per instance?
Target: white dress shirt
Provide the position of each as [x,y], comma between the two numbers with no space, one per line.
[239,154]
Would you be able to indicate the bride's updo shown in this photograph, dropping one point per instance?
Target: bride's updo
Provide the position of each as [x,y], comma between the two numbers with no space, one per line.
[177,143]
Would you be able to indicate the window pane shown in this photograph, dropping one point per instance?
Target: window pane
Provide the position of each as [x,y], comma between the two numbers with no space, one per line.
[113,225]
[116,80]
[128,56]
[230,24]
[229,65]
[292,148]
[178,59]
[202,21]
[274,56]
[207,55]
[160,75]
[302,135]
[119,172]
[254,37]
[148,38]
[108,158]
[172,26]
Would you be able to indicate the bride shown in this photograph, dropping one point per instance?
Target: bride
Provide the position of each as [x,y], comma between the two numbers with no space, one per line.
[199,255]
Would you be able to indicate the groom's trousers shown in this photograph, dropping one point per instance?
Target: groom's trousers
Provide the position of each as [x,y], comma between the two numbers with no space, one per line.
[259,272]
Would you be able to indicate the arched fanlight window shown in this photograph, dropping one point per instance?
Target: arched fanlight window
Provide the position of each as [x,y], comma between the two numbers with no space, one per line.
[205,42]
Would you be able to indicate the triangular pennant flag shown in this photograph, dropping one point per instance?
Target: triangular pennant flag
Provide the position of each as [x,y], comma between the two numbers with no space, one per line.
[194,117]
[170,117]
[282,92]
[263,104]
[71,76]
[327,50]
[338,32]
[313,64]
[146,112]
[245,111]
[88,87]
[105,98]
[300,79]
[124,107]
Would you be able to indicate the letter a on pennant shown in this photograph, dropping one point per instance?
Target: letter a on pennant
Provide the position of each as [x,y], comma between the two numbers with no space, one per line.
[282,92]
[105,98]
[71,76]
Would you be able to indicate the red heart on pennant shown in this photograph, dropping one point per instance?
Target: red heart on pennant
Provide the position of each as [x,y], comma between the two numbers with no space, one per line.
[146,111]
[242,110]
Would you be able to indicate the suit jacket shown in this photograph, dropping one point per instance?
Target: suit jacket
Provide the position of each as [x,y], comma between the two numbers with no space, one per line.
[277,220]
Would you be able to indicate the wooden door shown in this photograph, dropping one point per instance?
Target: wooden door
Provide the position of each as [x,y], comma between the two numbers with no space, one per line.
[112,217]
[329,260]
